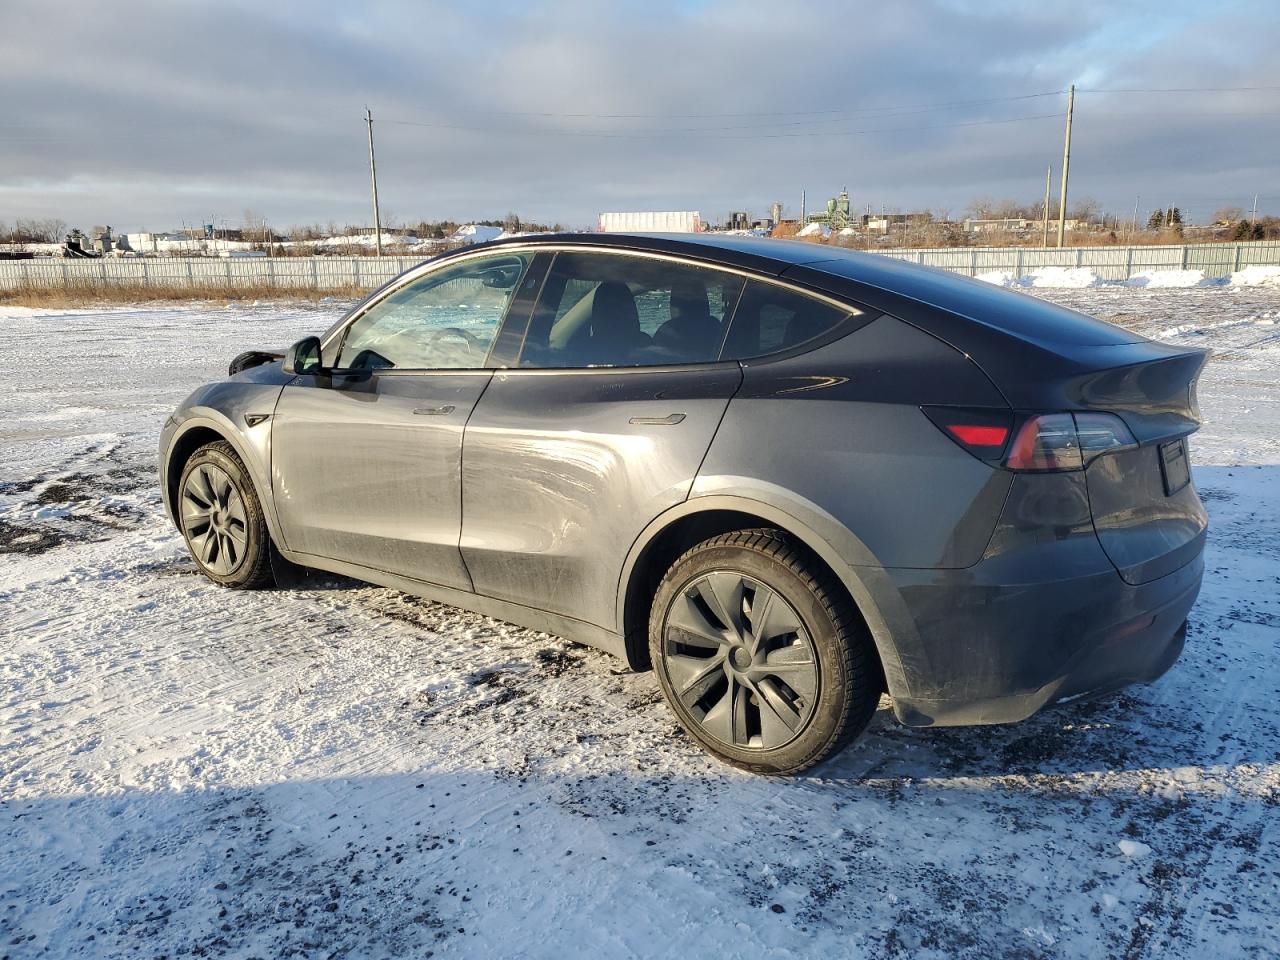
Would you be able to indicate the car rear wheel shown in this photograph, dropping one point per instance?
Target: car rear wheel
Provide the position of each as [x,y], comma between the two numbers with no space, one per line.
[760,656]
[221,519]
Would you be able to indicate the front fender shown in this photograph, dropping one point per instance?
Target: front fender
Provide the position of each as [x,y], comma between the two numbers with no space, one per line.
[225,409]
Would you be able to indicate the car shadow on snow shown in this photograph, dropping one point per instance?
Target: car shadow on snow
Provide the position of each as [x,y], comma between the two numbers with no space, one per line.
[475,863]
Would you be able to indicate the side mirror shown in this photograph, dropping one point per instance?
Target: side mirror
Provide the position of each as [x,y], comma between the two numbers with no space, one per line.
[304,358]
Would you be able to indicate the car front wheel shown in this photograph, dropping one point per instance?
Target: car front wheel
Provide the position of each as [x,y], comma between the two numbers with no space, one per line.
[761,656]
[221,519]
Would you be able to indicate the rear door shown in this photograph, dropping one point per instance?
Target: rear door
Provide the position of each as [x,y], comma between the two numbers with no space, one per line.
[599,427]
[366,462]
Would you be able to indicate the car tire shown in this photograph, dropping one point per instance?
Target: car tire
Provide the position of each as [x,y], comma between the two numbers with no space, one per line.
[221,519]
[787,699]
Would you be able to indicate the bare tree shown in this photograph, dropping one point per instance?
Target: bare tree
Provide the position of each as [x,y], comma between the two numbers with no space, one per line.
[1085,210]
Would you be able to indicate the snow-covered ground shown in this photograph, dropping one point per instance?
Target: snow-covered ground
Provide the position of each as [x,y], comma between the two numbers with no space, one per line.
[346,771]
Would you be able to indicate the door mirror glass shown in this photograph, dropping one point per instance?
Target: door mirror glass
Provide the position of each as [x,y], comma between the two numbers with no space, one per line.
[304,357]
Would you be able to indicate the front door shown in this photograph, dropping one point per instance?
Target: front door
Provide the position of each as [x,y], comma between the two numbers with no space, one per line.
[600,428]
[366,462]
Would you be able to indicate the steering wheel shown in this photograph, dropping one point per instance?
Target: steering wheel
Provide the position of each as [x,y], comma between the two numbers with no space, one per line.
[475,345]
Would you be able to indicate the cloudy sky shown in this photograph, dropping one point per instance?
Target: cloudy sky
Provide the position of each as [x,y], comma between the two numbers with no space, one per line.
[146,114]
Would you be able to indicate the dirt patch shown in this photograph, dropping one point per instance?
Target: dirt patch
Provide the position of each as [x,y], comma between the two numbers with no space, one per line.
[30,540]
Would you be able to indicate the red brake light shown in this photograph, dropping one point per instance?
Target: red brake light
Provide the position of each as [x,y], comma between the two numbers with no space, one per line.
[973,435]
[983,433]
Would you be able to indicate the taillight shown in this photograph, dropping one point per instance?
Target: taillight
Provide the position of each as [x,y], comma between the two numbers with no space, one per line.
[1037,442]
[1101,433]
[1045,442]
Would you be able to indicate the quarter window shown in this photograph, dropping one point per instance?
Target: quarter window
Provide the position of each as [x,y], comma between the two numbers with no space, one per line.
[445,320]
[771,319]
[599,310]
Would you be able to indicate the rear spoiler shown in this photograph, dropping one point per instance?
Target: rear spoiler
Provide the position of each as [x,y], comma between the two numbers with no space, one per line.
[1156,398]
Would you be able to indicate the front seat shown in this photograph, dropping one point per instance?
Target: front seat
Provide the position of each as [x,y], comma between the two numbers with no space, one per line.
[615,325]
[692,333]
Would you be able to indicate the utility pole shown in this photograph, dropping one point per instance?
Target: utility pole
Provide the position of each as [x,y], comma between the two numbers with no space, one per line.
[1048,178]
[1136,199]
[373,173]
[802,223]
[1253,218]
[1066,166]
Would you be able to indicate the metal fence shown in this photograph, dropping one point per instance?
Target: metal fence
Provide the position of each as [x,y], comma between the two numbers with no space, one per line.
[365,273]
[288,273]
[1108,263]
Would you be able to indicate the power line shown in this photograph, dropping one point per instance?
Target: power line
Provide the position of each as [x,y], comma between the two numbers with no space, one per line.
[659,134]
[1172,89]
[1185,113]
[770,113]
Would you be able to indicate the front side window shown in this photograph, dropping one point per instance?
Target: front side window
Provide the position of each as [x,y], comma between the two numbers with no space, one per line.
[446,320]
[602,310]
[771,319]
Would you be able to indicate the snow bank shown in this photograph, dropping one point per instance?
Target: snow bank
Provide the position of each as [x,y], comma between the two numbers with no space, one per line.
[1078,278]
[1073,278]
[475,233]
[1256,276]
[815,230]
[1173,278]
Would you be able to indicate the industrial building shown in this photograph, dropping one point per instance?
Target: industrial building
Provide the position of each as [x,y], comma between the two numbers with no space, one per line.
[651,221]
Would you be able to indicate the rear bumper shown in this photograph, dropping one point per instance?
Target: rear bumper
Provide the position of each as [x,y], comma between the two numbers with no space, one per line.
[991,652]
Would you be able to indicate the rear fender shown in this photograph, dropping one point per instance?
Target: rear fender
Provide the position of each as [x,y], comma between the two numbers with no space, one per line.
[877,599]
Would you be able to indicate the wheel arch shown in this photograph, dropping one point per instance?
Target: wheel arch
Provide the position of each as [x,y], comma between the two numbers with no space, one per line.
[700,518]
[198,431]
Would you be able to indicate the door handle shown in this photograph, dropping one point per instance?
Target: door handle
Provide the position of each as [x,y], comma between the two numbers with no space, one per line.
[434,411]
[666,421]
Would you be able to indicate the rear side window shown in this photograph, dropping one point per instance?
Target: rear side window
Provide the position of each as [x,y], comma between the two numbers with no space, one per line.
[610,310]
[771,319]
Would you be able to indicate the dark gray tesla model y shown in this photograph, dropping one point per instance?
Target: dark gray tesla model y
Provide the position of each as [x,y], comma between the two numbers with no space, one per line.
[788,477]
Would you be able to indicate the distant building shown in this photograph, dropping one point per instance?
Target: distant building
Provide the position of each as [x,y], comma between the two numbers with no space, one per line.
[155,242]
[1007,224]
[883,223]
[837,214]
[651,221]
[1015,225]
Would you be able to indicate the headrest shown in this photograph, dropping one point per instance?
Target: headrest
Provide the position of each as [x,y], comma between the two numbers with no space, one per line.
[613,311]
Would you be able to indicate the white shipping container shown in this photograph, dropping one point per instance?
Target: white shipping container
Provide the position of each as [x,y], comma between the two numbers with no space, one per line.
[651,221]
